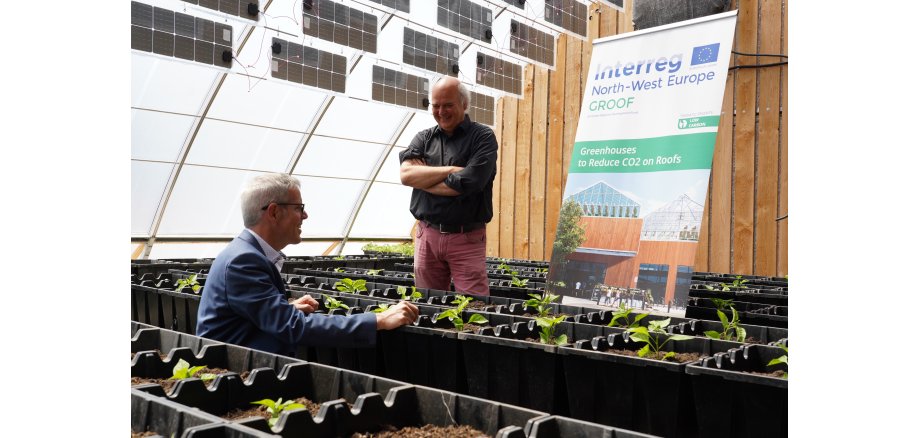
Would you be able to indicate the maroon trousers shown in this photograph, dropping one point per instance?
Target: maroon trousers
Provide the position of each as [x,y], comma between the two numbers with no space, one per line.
[458,256]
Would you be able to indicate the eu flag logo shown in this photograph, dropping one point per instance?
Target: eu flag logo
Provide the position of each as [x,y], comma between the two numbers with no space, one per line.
[705,54]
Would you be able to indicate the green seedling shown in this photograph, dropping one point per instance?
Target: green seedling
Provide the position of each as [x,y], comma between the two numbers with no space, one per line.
[350,286]
[543,270]
[374,271]
[182,371]
[653,344]
[191,281]
[658,325]
[722,288]
[339,258]
[339,269]
[541,303]
[517,282]
[782,359]
[455,315]
[332,303]
[722,304]
[276,407]
[728,327]
[404,294]
[382,307]
[405,248]
[620,318]
[504,267]
[548,331]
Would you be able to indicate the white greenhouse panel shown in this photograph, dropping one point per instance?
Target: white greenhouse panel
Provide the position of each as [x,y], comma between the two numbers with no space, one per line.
[196,250]
[334,157]
[390,170]
[359,120]
[158,136]
[228,144]
[307,249]
[419,122]
[148,182]
[385,212]
[329,203]
[205,201]
[167,85]
[269,102]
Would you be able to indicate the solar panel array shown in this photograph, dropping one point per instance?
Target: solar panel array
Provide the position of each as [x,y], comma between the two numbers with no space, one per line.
[399,88]
[241,8]
[467,18]
[179,35]
[340,24]
[499,74]
[516,3]
[532,43]
[567,14]
[308,66]
[482,108]
[399,5]
[430,53]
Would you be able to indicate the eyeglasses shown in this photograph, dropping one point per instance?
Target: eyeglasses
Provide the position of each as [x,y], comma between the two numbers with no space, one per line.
[299,207]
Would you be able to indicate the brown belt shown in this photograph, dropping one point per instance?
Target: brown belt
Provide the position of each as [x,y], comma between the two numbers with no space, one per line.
[450,229]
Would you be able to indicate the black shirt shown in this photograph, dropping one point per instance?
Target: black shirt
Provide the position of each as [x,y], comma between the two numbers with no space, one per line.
[473,147]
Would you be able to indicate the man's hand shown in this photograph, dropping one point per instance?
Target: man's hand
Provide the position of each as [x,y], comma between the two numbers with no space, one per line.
[417,174]
[397,316]
[305,304]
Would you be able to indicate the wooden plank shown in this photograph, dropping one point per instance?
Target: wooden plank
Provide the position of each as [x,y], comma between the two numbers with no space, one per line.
[701,260]
[493,227]
[522,170]
[573,89]
[608,22]
[782,244]
[627,24]
[538,165]
[745,121]
[767,184]
[720,237]
[137,251]
[509,137]
[594,22]
[554,145]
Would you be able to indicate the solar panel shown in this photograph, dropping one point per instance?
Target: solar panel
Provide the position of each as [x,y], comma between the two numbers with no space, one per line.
[532,43]
[308,66]
[499,74]
[430,53]
[467,18]
[340,24]
[567,14]
[482,108]
[399,5]
[517,3]
[248,9]
[399,88]
[170,33]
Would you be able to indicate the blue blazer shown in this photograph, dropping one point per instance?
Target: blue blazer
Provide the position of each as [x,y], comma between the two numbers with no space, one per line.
[243,303]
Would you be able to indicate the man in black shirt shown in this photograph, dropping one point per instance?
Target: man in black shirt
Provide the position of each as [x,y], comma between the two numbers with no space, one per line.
[451,167]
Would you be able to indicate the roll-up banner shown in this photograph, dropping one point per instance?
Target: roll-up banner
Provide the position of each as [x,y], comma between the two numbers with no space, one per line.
[639,173]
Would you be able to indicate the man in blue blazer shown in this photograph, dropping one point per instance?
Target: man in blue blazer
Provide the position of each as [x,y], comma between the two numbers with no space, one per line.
[243,301]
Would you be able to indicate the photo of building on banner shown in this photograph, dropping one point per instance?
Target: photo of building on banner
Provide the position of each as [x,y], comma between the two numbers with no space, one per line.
[639,173]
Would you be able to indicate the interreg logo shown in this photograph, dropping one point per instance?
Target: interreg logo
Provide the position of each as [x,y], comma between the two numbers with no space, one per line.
[705,54]
[639,67]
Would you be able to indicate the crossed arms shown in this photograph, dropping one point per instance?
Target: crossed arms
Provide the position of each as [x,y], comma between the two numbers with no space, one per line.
[416,174]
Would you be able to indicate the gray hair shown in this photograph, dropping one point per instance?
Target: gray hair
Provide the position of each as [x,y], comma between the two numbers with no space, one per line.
[261,191]
[464,92]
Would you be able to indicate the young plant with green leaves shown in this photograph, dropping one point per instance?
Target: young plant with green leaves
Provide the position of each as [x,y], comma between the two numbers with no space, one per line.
[723,304]
[183,371]
[374,271]
[517,282]
[338,269]
[731,330]
[620,318]
[455,314]
[191,281]
[502,266]
[275,408]
[350,286]
[548,330]
[653,339]
[405,248]
[404,294]
[658,325]
[782,359]
[541,303]
[382,307]
[332,303]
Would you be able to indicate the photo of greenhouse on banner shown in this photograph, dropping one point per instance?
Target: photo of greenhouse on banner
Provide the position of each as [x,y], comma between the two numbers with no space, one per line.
[639,172]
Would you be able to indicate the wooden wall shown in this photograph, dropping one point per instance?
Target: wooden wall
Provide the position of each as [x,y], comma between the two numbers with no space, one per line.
[744,230]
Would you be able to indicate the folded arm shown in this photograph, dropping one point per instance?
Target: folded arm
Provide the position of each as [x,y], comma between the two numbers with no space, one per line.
[416,174]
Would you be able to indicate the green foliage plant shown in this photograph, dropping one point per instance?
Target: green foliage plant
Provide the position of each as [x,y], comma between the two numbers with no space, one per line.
[382,307]
[338,269]
[541,303]
[374,271]
[548,330]
[276,407]
[569,234]
[404,294]
[731,330]
[654,344]
[782,359]
[183,371]
[332,303]
[350,286]
[620,318]
[502,266]
[722,304]
[455,314]
[517,282]
[190,281]
[404,248]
